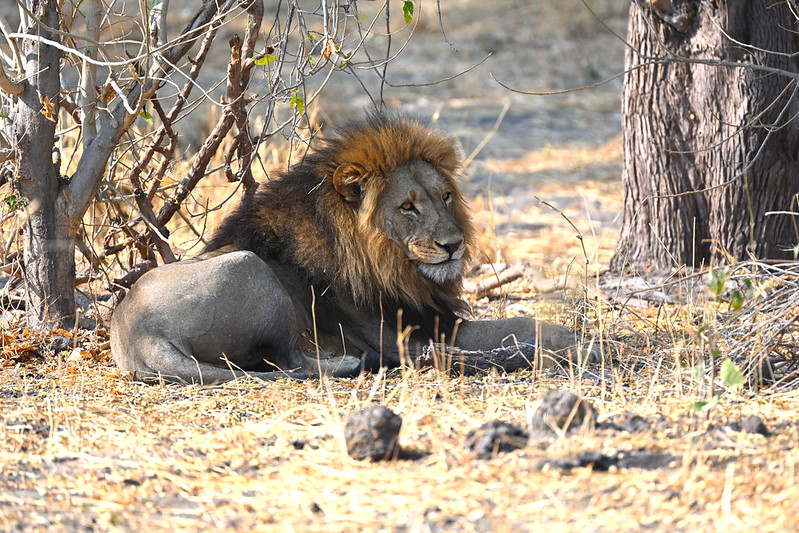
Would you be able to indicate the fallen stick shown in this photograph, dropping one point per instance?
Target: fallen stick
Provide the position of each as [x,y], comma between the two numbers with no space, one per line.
[496,279]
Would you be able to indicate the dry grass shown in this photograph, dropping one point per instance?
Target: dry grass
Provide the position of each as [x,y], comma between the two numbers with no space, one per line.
[84,448]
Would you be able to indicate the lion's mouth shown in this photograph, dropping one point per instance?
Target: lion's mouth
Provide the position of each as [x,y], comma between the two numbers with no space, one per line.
[442,272]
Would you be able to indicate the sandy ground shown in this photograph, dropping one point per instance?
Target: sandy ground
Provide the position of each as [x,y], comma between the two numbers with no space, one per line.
[85,449]
[562,149]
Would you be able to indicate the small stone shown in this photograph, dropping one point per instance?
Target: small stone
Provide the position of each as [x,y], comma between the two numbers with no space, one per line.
[60,343]
[563,410]
[373,434]
[495,437]
[753,424]
[626,421]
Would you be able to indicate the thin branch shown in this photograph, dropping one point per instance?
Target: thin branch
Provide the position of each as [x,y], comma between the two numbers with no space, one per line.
[488,136]
[441,25]
[7,85]
[86,179]
[88,82]
[442,80]
[750,163]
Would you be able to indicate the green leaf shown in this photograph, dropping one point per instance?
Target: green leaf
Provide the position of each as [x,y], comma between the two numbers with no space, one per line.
[407,11]
[736,300]
[703,407]
[298,103]
[716,282]
[730,374]
[269,58]
[146,116]
[14,202]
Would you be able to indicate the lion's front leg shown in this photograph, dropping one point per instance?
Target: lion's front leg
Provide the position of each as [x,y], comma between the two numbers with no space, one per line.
[553,342]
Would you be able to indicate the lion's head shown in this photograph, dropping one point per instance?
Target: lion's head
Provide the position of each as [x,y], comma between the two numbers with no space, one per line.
[376,212]
[394,180]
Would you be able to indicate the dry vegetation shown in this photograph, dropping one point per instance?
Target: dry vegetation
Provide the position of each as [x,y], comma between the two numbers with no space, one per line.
[85,448]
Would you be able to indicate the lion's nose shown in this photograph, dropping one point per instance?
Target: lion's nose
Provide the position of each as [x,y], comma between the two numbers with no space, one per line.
[452,246]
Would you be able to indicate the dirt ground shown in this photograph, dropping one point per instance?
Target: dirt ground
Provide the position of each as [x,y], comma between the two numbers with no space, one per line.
[83,448]
[562,149]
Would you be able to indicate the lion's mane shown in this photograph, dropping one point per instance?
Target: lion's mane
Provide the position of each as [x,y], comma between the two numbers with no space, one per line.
[302,220]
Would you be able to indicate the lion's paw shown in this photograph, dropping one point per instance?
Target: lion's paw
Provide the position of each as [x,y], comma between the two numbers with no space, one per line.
[334,365]
[564,344]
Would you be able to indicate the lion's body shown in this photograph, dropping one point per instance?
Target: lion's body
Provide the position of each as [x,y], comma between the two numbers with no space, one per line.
[334,259]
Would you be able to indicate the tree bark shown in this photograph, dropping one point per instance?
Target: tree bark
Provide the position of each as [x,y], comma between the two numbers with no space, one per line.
[49,250]
[703,162]
[55,205]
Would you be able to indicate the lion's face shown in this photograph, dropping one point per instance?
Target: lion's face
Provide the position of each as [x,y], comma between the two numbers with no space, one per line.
[418,212]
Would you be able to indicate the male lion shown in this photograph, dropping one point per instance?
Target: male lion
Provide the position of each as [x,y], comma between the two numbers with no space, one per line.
[363,242]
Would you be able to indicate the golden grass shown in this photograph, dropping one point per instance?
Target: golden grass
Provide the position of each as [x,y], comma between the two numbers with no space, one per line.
[84,448]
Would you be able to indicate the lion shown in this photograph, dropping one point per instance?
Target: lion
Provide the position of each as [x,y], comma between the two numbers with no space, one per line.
[351,259]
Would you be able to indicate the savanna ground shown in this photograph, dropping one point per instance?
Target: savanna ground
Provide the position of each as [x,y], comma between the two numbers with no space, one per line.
[85,448]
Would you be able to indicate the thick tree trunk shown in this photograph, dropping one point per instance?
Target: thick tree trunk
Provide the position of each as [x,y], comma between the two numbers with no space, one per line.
[705,128]
[49,253]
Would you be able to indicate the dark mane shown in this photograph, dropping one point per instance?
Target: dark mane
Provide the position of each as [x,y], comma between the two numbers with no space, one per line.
[301,219]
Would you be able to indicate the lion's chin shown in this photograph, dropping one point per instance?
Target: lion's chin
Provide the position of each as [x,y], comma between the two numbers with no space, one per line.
[440,273]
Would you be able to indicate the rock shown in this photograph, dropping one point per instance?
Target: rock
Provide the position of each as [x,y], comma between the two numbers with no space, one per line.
[627,421]
[60,343]
[373,434]
[495,437]
[563,410]
[601,462]
[753,424]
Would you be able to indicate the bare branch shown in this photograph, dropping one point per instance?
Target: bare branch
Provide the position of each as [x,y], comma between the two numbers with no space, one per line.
[90,169]
[9,86]
[88,96]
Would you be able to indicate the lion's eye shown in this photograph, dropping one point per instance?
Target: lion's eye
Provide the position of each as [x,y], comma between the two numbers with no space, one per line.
[408,207]
[447,196]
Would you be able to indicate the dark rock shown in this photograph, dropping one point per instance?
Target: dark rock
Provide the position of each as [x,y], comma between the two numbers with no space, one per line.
[60,343]
[753,424]
[627,421]
[563,410]
[495,437]
[600,462]
[373,434]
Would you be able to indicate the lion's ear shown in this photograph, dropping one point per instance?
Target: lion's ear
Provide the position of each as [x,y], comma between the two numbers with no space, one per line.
[347,180]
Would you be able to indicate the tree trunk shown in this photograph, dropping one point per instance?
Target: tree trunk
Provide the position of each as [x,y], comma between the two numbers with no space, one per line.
[702,164]
[49,250]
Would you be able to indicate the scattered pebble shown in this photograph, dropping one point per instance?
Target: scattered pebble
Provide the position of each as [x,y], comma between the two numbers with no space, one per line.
[753,424]
[600,462]
[495,437]
[373,434]
[561,409]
